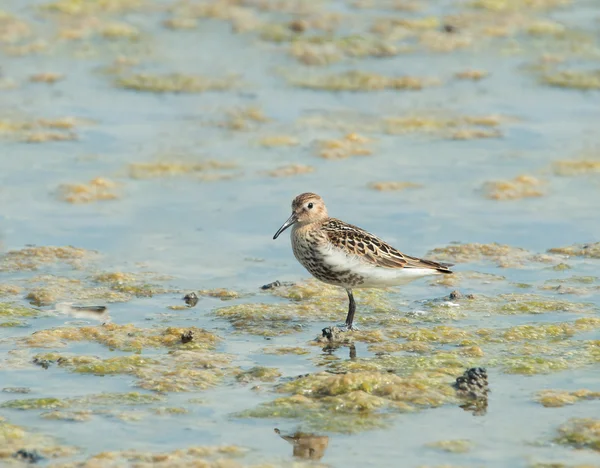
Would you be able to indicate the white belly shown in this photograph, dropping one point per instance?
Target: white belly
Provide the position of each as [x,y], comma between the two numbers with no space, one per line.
[372,276]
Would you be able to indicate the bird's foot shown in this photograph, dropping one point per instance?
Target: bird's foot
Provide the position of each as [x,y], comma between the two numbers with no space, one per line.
[344,327]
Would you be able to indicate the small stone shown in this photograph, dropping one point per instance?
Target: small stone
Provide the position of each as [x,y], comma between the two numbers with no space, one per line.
[298,25]
[456,294]
[191,299]
[472,384]
[28,456]
[16,390]
[187,336]
[42,362]
[273,285]
[448,28]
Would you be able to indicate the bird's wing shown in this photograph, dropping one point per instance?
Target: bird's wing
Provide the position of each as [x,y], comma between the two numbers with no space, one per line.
[356,241]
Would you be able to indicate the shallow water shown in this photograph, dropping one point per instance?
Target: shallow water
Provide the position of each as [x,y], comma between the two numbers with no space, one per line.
[206,234]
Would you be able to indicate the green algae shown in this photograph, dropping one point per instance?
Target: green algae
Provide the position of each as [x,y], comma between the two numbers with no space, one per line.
[182,370]
[35,403]
[452,446]
[9,310]
[226,456]
[9,290]
[580,433]
[83,7]
[559,398]
[94,400]
[502,255]
[274,319]
[70,416]
[550,330]
[583,80]
[354,401]
[578,250]
[33,258]
[259,373]
[174,83]
[123,337]
[175,165]
[129,284]
[512,5]
[220,293]
[112,399]
[286,350]
[531,365]
[576,167]
[14,438]
[360,81]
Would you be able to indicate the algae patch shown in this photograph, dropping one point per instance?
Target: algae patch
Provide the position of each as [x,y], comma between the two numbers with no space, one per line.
[122,337]
[361,81]
[174,83]
[559,398]
[33,258]
[580,433]
[97,189]
[578,250]
[522,186]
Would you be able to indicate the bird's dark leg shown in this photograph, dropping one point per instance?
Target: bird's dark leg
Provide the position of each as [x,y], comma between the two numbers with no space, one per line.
[351,310]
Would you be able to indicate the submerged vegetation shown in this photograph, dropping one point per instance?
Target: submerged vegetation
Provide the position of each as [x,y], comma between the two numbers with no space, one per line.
[132,112]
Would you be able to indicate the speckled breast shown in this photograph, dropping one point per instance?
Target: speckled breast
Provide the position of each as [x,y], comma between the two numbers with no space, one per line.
[307,250]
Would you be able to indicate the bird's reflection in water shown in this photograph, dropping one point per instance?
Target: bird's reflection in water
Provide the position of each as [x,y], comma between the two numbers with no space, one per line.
[331,349]
[476,406]
[306,446]
[90,312]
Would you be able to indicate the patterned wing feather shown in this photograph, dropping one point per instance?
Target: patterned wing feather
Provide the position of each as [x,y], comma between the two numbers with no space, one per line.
[357,241]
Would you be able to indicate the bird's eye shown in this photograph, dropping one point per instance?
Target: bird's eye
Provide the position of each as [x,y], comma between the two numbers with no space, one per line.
[310,205]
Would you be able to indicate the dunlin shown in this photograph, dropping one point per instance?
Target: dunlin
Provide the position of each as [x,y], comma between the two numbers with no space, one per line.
[345,255]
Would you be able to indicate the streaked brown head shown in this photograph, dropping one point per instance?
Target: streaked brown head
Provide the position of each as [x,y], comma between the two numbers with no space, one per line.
[306,208]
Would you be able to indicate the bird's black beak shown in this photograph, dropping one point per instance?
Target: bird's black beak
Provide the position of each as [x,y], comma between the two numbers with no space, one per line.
[290,221]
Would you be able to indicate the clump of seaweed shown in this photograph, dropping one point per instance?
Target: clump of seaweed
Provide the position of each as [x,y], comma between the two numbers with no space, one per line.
[275,141]
[97,189]
[353,401]
[175,167]
[473,75]
[47,77]
[573,79]
[42,130]
[351,144]
[291,170]
[576,167]
[508,5]
[245,118]
[33,258]
[259,373]
[559,398]
[129,284]
[502,255]
[578,250]
[393,186]
[220,293]
[205,456]
[452,446]
[325,50]
[523,186]
[82,7]
[31,446]
[580,433]
[361,81]
[189,367]
[174,83]
[122,337]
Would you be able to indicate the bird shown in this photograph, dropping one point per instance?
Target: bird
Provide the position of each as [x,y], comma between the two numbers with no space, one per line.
[341,254]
